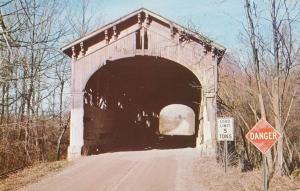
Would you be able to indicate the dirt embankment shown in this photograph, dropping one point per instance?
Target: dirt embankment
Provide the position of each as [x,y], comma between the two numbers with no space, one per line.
[212,177]
[30,175]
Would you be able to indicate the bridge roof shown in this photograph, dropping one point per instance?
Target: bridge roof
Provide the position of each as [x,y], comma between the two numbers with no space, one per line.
[201,38]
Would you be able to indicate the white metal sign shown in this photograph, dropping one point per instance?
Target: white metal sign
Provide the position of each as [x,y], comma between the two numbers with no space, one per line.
[225,129]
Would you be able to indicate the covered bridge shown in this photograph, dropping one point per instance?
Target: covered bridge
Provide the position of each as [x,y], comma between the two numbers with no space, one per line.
[143,81]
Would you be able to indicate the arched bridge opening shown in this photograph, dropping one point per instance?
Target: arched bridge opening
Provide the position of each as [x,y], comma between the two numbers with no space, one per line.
[125,99]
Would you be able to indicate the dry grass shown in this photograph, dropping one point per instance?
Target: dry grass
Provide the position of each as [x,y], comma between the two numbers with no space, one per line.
[30,175]
[212,177]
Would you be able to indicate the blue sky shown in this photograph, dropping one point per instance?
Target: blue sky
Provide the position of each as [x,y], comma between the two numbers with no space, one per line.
[221,20]
[218,19]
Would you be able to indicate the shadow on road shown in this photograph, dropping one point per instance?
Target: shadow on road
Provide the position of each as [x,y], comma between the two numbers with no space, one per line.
[159,142]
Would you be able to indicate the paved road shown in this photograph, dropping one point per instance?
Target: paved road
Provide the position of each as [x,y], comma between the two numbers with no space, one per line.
[151,170]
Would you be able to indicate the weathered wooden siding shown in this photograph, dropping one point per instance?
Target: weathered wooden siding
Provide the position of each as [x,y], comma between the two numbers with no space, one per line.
[188,54]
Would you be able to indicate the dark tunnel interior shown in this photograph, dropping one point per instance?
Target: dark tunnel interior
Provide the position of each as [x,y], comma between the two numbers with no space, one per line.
[123,99]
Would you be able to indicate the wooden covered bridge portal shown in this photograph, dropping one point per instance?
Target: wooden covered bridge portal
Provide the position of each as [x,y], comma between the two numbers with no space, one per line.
[143,82]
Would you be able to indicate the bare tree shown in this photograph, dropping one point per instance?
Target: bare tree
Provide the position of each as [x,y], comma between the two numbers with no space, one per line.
[30,40]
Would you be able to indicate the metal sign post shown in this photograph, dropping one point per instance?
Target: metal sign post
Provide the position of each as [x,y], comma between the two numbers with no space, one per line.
[225,133]
[265,173]
[225,157]
[263,136]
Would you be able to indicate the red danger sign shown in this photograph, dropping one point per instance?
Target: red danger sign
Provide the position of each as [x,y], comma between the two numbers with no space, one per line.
[263,136]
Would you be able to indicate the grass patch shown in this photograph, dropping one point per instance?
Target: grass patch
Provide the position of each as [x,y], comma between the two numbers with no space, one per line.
[30,175]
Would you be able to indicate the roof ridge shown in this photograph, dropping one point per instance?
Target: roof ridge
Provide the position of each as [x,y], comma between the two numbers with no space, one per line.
[131,14]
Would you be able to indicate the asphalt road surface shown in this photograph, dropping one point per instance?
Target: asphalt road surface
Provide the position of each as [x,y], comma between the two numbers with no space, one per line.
[150,170]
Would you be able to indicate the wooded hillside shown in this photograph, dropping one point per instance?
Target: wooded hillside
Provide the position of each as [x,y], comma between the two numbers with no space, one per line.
[262,81]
